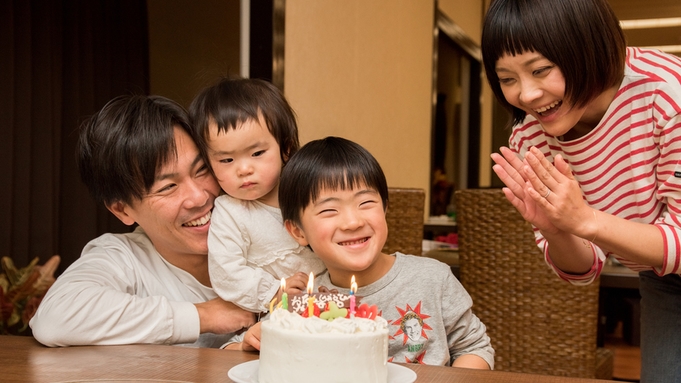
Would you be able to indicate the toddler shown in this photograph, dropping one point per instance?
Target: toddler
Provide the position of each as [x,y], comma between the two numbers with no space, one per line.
[247,131]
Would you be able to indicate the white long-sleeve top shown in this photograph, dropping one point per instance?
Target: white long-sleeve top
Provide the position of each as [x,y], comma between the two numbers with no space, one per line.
[249,251]
[629,164]
[122,291]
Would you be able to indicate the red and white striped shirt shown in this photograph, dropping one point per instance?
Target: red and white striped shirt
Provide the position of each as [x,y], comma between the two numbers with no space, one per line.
[630,164]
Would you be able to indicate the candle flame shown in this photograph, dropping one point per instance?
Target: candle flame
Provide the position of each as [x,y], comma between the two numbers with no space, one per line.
[310,283]
[283,284]
[353,285]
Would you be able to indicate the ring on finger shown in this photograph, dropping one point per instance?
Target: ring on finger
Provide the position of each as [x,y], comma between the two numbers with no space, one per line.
[548,192]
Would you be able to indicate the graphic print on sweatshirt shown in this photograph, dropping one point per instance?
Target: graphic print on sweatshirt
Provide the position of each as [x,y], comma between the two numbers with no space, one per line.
[412,327]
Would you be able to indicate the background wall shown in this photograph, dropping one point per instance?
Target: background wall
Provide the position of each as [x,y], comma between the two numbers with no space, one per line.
[466,14]
[61,61]
[363,70]
[357,69]
[191,44]
[469,16]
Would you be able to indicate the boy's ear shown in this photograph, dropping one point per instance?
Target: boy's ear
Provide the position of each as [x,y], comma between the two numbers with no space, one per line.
[121,211]
[296,232]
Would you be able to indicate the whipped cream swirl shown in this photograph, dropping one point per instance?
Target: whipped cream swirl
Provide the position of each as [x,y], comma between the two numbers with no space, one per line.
[292,321]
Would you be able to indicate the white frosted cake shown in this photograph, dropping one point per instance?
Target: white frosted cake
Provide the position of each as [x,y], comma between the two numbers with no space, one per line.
[302,350]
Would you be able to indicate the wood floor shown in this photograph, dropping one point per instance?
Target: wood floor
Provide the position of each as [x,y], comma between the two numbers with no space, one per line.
[627,357]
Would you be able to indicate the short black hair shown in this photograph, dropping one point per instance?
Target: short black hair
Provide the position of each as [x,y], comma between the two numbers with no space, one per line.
[121,148]
[234,100]
[582,37]
[329,163]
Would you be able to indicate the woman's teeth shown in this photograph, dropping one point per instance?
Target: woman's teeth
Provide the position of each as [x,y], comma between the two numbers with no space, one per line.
[200,221]
[548,107]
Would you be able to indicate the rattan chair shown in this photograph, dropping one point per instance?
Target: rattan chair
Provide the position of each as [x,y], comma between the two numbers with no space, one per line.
[537,322]
[405,221]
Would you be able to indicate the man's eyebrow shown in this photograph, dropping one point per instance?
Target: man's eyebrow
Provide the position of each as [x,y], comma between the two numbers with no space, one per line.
[165,176]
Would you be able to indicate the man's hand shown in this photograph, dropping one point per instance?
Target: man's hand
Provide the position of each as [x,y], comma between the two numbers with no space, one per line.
[221,317]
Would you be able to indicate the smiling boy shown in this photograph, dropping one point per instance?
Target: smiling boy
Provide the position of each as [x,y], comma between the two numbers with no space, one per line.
[333,197]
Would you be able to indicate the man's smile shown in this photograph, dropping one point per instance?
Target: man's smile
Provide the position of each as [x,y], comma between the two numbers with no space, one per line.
[200,221]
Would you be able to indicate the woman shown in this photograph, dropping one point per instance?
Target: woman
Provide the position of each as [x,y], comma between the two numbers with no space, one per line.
[593,159]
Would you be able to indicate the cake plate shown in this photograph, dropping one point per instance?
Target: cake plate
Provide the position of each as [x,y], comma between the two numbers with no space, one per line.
[248,373]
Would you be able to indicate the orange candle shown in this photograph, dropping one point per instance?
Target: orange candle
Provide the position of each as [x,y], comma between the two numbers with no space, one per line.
[310,298]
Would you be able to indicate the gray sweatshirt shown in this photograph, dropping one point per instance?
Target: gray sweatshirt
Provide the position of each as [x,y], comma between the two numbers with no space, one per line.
[428,312]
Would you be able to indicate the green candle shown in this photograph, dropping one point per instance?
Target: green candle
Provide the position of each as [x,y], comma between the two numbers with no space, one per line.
[284,296]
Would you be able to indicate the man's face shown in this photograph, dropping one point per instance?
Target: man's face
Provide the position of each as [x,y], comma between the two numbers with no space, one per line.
[412,328]
[176,212]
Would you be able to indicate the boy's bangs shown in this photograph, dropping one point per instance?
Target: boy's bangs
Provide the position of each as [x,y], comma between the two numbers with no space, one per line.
[339,178]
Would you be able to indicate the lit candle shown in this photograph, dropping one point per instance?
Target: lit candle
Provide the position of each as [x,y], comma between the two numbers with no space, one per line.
[353,290]
[310,298]
[272,303]
[284,296]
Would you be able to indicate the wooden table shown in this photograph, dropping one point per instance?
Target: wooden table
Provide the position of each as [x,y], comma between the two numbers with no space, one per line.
[22,359]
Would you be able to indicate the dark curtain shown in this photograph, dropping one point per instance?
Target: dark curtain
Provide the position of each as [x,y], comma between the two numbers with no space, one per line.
[60,61]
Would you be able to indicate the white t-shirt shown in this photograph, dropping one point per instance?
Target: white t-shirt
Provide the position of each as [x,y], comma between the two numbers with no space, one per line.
[122,291]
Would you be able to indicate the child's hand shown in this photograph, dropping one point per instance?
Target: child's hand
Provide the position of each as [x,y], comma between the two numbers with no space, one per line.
[251,340]
[296,283]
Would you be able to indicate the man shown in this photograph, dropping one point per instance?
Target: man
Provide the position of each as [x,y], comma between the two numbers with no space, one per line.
[137,157]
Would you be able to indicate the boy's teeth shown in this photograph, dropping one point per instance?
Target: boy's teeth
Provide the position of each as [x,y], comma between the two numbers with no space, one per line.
[200,221]
[544,109]
[353,242]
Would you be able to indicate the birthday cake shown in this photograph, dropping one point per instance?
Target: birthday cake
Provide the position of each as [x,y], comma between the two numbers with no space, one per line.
[338,348]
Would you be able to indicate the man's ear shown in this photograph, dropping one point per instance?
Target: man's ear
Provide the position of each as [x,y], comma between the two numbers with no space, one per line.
[121,211]
[296,232]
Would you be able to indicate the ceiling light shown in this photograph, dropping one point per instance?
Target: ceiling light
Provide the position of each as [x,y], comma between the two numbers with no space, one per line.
[667,48]
[651,23]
